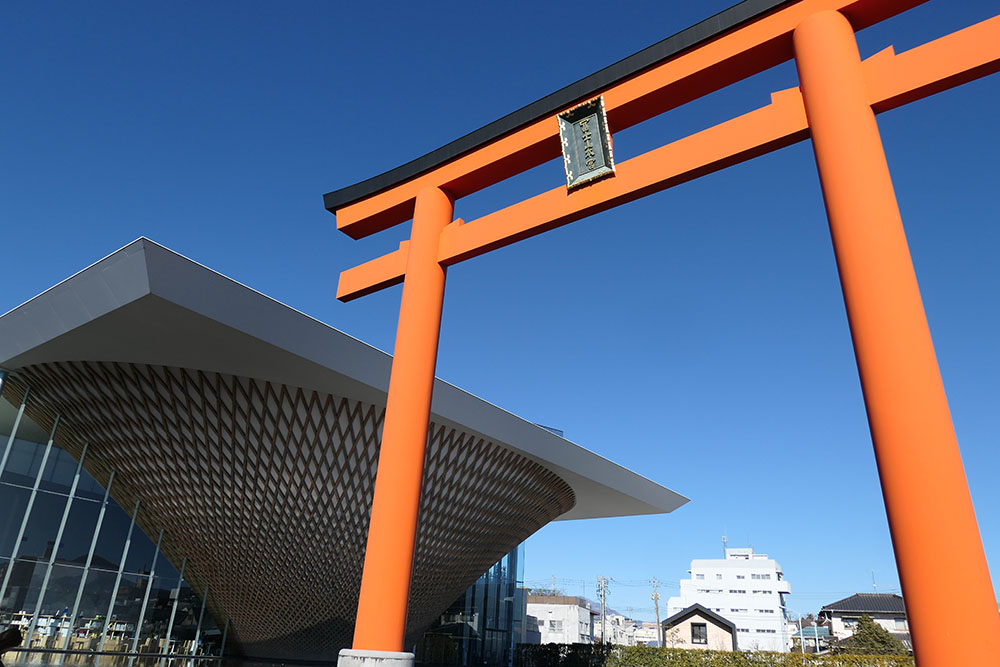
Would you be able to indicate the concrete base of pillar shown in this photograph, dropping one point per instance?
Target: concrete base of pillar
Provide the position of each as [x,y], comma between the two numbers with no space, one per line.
[350,657]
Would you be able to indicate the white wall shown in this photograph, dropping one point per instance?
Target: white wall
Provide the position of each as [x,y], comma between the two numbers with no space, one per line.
[843,628]
[561,623]
[679,636]
[746,588]
[621,629]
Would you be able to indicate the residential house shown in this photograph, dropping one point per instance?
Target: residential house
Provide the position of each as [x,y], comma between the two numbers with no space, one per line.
[698,627]
[886,609]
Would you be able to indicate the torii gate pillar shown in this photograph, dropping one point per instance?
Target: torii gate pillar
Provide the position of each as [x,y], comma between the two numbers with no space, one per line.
[392,531]
[923,481]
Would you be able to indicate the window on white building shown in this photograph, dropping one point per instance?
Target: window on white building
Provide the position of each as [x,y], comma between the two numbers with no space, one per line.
[737,591]
[760,576]
[718,576]
[740,576]
[555,626]
[762,592]
[765,611]
[738,611]
[699,633]
[766,631]
[699,576]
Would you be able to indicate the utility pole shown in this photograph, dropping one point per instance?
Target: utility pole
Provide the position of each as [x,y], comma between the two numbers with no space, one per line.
[602,590]
[725,543]
[553,584]
[874,587]
[656,603]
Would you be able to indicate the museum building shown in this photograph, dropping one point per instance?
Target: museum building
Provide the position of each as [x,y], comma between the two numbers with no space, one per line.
[187,467]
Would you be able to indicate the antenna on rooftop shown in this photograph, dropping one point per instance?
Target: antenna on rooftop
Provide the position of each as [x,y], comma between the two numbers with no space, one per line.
[725,541]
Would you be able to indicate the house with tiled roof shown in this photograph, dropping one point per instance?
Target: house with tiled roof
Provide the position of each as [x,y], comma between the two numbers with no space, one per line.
[886,609]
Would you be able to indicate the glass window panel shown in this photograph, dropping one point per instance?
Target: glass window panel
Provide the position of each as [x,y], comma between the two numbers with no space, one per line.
[3,572]
[481,625]
[140,553]
[211,633]
[23,462]
[86,634]
[59,471]
[61,591]
[186,620]
[39,537]
[88,487]
[111,541]
[166,569]
[154,625]
[96,596]
[14,500]
[79,532]
[23,587]
[126,610]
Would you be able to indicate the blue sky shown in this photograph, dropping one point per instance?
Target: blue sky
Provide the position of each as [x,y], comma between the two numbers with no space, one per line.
[697,336]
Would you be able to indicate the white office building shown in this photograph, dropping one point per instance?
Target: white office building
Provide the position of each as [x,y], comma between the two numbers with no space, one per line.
[746,588]
[620,629]
[562,619]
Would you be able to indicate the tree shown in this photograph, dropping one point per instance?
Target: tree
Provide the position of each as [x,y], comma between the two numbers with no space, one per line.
[672,637]
[870,638]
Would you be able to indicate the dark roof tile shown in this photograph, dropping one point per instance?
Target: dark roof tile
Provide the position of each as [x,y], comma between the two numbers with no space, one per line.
[880,603]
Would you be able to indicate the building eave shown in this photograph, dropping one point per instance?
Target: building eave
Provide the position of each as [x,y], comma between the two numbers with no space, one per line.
[147,304]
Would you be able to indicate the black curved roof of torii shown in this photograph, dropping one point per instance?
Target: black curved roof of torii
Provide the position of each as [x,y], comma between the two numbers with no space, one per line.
[585,88]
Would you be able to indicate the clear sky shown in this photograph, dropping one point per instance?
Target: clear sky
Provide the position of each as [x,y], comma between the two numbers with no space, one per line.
[697,336]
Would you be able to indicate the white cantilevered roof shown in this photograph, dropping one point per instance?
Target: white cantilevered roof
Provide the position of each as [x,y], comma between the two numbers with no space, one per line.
[146,304]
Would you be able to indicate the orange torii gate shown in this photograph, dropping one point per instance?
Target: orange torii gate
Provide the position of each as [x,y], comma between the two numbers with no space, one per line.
[926,495]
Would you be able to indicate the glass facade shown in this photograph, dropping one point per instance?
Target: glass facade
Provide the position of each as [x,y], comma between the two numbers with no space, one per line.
[483,626]
[77,574]
[66,579]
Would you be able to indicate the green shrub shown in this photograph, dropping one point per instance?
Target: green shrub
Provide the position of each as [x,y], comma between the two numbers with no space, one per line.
[597,655]
[870,638]
[644,656]
[562,655]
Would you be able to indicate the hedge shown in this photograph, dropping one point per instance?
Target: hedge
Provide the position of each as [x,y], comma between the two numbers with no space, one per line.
[644,656]
[596,655]
[562,655]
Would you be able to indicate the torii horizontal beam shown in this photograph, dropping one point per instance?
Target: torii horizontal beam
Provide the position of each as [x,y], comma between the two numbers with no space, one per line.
[893,80]
[759,42]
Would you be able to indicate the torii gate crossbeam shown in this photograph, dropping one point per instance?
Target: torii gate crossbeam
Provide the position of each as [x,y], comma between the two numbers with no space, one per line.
[835,104]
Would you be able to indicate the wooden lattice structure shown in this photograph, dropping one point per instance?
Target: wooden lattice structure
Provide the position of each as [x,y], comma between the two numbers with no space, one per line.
[266,490]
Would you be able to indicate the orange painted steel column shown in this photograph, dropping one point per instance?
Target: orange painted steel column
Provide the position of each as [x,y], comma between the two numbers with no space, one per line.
[935,536]
[385,583]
